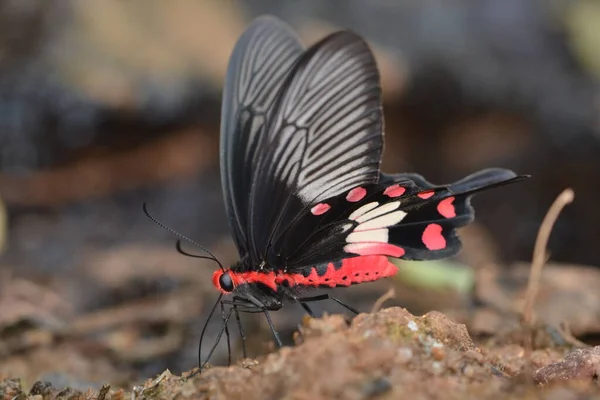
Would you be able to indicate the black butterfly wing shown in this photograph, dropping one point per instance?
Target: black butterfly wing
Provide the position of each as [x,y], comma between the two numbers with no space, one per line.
[402,216]
[259,64]
[323,136]
[301,146]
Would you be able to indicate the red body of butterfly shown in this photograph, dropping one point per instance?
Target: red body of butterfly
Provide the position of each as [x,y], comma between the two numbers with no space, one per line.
[301,146]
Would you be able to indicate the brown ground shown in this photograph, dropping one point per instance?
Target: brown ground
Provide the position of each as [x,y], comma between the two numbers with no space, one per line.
[389,354]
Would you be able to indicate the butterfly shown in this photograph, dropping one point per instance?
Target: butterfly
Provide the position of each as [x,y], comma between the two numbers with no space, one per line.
[300,154]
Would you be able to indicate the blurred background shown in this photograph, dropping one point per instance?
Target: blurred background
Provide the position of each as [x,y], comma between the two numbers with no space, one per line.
[108,104]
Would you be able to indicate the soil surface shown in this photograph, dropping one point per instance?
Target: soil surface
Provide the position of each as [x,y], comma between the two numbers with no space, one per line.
[388,354]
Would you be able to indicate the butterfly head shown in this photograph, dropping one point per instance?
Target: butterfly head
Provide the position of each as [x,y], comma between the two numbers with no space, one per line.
[224,281]
[246,282]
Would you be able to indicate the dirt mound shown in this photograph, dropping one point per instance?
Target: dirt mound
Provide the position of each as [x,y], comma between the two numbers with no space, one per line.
[388,354]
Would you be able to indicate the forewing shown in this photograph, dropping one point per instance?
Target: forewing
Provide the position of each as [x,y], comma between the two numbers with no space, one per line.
[260,61]
[323,137]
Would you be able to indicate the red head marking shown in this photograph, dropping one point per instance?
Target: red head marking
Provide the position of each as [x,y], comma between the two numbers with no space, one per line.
[356,194]
[226,281]
[215,279]
[223,281]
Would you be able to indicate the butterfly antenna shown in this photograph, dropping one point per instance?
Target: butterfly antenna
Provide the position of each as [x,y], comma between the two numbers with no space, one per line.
[180,236]
[181,251]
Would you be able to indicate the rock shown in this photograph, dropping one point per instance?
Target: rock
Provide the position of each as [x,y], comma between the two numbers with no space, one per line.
[581,364]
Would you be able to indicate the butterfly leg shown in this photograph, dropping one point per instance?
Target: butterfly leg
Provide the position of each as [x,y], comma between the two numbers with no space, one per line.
[219,335]
[275,334]
[241,329]
[244,307]
[226,334]
[212,311]
[258,308]
[248,307]
[240,306]
[308,310]
[326,296]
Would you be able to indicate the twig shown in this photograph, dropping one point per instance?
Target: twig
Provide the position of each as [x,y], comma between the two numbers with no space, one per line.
[539,252]
[567,335]
[390,294]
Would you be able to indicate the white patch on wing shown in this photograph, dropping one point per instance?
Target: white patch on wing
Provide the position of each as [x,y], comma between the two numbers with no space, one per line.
[363,209]
[345,227]
[384,209]
[384,221]
[377,235]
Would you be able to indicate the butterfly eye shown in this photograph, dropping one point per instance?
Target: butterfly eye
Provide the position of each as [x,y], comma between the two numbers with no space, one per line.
[226,283]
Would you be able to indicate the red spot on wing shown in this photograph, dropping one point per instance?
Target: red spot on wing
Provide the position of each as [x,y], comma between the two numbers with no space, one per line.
[320,209]
[427,194]
[446,208]
[432,237]
[352,270]
[394,191]
[372,248]
[356,194]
